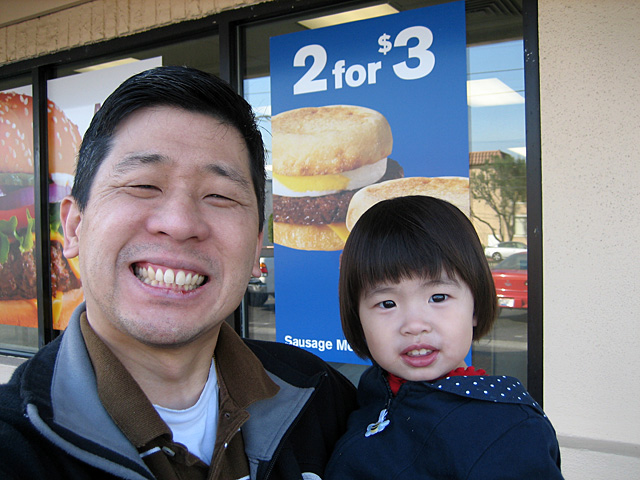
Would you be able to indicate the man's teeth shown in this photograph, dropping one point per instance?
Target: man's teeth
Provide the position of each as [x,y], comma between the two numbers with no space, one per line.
[418,352]
[169,278]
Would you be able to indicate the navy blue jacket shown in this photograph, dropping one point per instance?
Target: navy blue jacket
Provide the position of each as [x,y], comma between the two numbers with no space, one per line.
[476,427]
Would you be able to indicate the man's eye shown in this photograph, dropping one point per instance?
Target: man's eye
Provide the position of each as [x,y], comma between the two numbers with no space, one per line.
[142,190]
[438,297]
[387,304]
[219,200]
[145,187]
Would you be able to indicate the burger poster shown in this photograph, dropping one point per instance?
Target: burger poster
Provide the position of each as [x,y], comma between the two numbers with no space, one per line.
[18,282]
[361,112]
[71,105]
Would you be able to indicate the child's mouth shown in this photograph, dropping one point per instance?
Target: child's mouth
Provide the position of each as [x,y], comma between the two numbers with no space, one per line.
[419,352]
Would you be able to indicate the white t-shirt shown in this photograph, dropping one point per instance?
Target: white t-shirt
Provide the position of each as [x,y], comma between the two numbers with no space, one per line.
[196,426]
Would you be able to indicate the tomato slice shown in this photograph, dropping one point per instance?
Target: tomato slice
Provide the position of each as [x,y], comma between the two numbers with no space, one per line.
[20,213]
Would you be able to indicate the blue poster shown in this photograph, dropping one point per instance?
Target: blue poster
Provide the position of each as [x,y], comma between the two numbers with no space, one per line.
[359,110]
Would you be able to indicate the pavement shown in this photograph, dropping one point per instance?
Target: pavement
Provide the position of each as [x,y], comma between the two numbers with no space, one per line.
[7,366]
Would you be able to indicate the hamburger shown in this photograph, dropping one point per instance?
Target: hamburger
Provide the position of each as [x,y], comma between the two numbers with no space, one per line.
[18,282]
[454,190]
[321,157]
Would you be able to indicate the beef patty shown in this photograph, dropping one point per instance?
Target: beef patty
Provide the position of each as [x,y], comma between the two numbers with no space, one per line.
[18,273]
[324,209]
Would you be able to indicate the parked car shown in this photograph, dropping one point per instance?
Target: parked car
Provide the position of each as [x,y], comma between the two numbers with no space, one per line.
[260,288]
[504,250]
[511,279]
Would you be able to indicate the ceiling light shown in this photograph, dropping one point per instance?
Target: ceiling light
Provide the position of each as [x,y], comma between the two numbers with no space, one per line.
[522,151]
[114,63]
[350,16]
[491,92]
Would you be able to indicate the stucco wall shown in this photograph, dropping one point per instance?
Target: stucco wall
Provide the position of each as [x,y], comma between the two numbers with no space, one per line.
[100,20]
[590,118]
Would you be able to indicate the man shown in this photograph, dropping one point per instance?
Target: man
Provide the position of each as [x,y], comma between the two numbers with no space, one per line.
[148,381]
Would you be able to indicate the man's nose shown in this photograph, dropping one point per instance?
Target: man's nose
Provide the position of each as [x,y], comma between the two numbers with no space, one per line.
[181,217]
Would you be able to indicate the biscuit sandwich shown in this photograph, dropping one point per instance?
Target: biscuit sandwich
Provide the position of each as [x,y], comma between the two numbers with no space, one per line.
[454,190]
[321,157]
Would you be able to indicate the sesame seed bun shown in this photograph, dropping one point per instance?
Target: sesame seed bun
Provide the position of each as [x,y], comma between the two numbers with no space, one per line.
[16,145]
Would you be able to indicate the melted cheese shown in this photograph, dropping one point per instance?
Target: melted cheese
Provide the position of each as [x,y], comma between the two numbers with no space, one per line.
[56,307]
[74,263]
[340,229]
[313,183]
[317,185]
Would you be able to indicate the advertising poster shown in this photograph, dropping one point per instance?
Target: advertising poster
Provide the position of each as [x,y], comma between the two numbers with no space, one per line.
[361,110]
[72,101]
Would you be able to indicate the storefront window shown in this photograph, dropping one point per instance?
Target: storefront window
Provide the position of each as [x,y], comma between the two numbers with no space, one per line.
[497,164]
[18,283]
[497,174]
[495,81]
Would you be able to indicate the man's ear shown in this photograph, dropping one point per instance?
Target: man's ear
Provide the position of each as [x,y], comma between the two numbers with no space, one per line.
[256,272]
[71,219]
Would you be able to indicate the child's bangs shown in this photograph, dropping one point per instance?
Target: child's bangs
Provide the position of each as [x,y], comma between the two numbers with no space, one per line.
[397,254]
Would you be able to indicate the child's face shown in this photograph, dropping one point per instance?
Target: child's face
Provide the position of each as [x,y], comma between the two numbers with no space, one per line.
[418,329]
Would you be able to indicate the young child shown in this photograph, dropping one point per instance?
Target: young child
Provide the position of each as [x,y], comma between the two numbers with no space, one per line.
[415,291]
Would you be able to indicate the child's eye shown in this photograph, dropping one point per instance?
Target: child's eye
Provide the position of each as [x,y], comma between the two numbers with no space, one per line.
[387,304]
[438,297]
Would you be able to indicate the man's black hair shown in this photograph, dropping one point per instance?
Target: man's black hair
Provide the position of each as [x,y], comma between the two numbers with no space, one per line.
[170,86]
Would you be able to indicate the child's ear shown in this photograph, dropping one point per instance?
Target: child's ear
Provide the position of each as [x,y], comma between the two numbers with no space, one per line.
[475,321]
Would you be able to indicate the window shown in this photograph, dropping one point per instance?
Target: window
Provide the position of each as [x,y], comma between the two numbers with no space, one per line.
[495,76]
[18,287]
[496,124]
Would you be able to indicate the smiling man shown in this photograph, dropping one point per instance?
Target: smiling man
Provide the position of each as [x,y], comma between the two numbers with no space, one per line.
[148,381]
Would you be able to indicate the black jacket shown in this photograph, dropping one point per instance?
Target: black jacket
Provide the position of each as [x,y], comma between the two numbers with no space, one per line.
[53,425]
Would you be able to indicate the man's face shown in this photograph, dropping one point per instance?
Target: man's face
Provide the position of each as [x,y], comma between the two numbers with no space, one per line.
[169,237]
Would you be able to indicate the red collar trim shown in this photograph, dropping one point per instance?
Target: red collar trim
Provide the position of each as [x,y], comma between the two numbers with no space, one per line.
[396,382]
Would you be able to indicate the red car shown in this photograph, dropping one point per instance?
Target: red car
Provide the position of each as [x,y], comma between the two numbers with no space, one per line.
[510,278]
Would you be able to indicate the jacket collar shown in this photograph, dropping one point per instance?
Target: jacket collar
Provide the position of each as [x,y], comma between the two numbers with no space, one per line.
[72,405]
[74,399]
[490,388]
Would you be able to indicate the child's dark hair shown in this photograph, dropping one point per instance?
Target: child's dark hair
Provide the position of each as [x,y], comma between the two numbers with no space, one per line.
[407,237]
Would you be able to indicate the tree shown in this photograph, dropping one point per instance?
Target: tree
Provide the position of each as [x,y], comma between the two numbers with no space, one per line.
[501,183]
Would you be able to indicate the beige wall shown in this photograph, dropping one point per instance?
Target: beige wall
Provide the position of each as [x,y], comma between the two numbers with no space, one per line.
[590,119]
[99,20]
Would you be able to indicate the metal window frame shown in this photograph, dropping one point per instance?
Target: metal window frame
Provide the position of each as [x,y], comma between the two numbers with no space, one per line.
[534,200]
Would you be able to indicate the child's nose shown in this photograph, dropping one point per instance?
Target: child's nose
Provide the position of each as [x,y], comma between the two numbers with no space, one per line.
[416,322]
